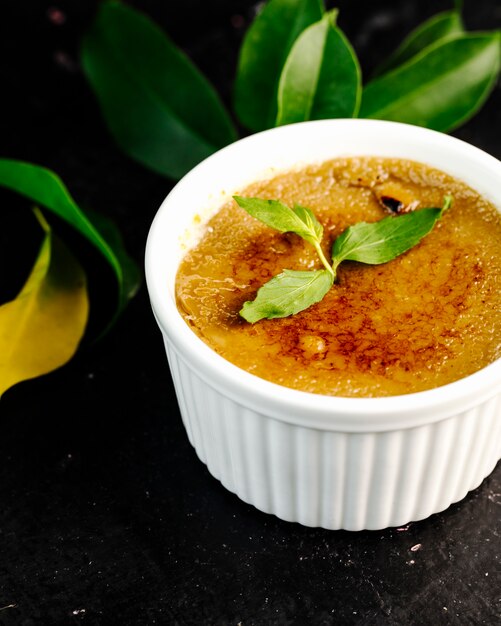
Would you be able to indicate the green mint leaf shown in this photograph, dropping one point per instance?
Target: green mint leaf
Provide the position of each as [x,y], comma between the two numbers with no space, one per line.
[383,241]
[440,88]
[314,230]
[279,216]
[321,77]
[429,32]
[262,56]
[287,294]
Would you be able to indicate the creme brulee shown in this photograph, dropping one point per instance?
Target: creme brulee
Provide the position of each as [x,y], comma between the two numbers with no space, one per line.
[427,318]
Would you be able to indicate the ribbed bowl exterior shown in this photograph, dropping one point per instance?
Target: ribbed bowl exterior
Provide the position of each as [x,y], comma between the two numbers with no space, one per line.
[352,463]
[336,480]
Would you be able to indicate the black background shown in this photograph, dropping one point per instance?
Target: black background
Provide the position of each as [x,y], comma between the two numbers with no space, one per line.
[106,514]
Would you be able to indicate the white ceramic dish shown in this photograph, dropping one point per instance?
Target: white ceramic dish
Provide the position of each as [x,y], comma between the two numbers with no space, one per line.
[352,463]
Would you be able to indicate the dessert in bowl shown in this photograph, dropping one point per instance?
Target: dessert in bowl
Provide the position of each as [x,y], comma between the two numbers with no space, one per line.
[322,460]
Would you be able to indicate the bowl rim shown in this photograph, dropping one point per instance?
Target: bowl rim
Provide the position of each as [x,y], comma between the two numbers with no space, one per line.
[348,414]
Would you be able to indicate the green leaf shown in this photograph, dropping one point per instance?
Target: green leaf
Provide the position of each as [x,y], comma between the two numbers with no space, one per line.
[262,57]
[429,32]
[321,78]
[46,189]
[273,213]
[41,328]
[440,88]
[313,230]
[159,108]
[382,241]
[287,294]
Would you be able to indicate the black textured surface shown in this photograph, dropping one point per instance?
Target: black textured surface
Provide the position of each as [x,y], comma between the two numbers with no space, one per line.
[106,515]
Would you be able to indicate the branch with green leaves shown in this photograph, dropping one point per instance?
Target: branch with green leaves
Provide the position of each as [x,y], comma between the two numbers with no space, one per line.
[295,64]
[375,243]
[42,327]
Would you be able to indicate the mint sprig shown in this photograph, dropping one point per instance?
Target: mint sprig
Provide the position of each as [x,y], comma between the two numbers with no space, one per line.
[375,243]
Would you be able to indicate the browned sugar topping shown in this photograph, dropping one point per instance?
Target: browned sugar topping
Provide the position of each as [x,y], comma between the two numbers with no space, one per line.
[427,318]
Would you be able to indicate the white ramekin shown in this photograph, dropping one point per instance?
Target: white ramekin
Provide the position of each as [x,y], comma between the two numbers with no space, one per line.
[352,463]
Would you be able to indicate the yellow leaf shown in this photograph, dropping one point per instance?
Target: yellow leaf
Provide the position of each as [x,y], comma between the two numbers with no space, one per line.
[41,328]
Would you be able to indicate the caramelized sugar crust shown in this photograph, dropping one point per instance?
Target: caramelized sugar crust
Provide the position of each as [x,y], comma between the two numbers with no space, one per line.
[427,318]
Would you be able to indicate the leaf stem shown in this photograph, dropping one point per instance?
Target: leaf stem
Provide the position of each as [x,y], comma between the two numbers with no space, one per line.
[325,263]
